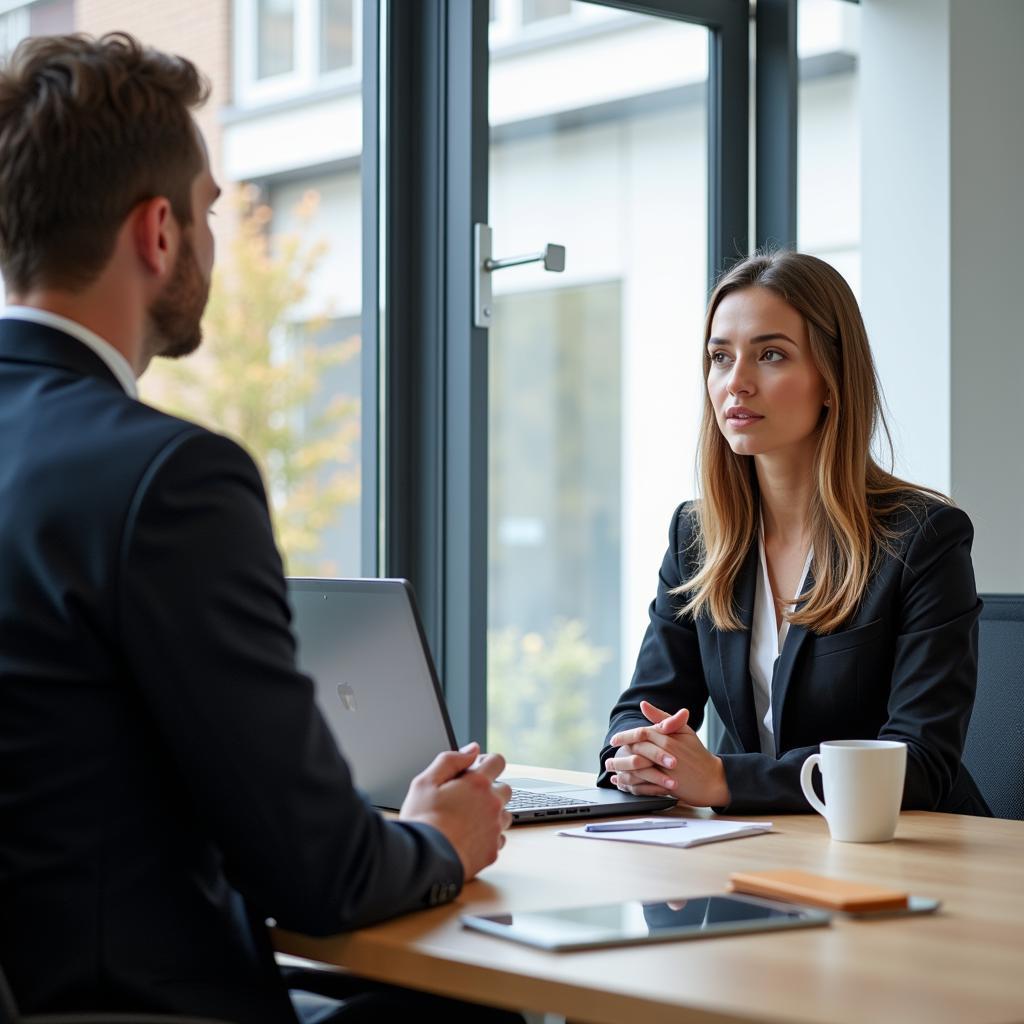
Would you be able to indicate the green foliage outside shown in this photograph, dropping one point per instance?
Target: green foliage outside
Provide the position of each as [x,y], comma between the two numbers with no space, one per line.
[258,378]
[539,690]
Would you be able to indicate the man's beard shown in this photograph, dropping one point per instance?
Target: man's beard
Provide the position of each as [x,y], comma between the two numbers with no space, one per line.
[174,317]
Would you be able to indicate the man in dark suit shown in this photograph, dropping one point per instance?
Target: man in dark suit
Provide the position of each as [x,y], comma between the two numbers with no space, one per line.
[165,777]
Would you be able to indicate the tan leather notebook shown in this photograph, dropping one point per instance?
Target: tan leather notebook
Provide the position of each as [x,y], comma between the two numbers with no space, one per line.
[817,890]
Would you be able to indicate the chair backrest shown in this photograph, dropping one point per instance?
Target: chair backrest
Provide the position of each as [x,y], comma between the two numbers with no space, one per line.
[994,751]
[8,1007]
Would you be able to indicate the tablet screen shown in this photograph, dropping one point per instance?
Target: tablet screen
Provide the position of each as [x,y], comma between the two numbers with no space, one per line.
[614,924]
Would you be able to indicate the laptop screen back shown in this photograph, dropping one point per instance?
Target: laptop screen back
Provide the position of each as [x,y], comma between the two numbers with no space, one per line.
[362,643]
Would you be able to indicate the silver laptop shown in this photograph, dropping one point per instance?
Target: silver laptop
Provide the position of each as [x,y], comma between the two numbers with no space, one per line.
[363,644]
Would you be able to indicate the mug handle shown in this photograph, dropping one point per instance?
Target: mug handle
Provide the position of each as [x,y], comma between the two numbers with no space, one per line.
[805,783]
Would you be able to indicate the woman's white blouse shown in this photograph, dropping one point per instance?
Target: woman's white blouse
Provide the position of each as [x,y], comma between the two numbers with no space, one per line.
[766,643]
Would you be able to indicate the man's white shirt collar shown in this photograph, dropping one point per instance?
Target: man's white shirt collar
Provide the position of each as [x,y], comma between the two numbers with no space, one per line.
[118,365]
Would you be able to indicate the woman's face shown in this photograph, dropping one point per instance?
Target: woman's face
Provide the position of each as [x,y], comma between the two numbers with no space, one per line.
[765,389]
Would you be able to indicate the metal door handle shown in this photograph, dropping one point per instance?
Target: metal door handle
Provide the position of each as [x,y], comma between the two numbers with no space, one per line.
[553,258]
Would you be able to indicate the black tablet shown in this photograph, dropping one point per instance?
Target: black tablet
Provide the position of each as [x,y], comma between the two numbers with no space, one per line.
[633,922]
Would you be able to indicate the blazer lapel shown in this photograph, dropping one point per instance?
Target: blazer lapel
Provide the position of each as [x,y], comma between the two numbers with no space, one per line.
[795,639]
[734,656]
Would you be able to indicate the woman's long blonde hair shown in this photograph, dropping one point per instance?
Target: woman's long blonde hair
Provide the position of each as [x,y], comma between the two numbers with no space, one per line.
[854,495]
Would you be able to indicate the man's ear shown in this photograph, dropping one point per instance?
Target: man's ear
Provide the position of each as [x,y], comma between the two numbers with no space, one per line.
[155,233]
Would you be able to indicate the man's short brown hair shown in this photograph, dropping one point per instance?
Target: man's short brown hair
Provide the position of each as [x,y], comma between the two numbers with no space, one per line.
[88,129]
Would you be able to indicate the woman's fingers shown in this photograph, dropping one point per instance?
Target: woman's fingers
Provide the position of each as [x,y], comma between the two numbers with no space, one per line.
[658,731]
[642,734]
[650,753]
[655,755]
[627,763]
[666,723]
[639,758]
[640,788]
[652,713]
[649,776]
[640,755]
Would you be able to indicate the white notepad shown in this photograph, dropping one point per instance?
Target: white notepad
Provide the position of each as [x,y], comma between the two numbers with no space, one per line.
[696,832]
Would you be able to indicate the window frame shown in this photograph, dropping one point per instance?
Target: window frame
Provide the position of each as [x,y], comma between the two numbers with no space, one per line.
[775,128]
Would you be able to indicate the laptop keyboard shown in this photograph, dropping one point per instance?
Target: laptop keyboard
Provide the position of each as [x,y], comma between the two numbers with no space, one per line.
[525,800]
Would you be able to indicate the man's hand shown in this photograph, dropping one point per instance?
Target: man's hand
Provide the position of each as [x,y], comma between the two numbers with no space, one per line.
[457,794]
[667,759]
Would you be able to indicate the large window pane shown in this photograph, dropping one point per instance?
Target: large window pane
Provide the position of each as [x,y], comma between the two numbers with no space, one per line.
[279,368]
[595,373]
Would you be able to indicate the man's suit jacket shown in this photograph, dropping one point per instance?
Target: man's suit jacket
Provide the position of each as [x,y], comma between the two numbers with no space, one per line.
[904,667]
[161,758]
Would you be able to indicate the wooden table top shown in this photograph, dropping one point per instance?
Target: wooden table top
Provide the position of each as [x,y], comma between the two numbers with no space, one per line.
[964,964]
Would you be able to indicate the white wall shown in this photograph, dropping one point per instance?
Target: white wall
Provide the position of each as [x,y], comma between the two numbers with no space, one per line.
[943,142]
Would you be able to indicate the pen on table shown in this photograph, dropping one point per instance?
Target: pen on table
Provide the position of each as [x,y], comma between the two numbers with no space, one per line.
[636,826]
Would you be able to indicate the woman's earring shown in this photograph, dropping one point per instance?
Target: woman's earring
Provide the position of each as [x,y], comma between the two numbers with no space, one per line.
[828,400]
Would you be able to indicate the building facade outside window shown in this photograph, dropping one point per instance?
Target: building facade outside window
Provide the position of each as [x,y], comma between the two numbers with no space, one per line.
[291,49]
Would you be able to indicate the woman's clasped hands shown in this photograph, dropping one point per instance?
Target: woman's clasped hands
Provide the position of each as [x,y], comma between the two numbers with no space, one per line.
[666,758]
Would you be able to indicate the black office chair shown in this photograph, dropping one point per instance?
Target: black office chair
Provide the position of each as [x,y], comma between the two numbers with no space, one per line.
[9,1014]
[994,750]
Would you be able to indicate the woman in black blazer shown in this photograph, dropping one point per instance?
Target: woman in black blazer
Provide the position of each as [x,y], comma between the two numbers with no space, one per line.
[809,593]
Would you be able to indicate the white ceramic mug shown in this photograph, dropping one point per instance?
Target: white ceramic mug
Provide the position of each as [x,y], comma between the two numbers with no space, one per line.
[863,782]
